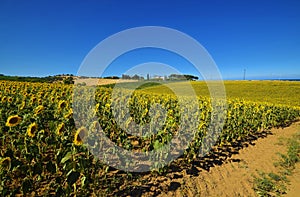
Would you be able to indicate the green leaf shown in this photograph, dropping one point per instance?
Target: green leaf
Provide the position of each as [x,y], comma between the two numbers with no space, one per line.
[157,145]
[66,157]
[83,179]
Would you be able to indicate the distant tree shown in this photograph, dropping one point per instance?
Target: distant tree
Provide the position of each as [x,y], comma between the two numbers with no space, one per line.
[191,77]
[68,80]
[112,77]
[182,77]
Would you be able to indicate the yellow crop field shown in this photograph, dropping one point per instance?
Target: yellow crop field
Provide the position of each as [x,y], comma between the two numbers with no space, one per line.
[43,152]
[276,92]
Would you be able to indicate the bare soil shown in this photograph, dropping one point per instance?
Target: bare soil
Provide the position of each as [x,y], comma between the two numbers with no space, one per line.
[294,185]
[235,176]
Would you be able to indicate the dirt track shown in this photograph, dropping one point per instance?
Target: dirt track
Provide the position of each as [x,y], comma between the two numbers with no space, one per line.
[294,186]
[235,176]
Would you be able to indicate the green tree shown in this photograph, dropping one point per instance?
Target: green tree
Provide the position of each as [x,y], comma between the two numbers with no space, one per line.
[69,80]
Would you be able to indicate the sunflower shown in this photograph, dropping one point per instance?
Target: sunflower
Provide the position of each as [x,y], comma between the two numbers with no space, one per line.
[39,109]
[40,101]
[10,99]
[32,129]
[52,99]
[4,99]
[80,135]
[33,99]
[5,162]
[60,128]
[62,105]
[13,121]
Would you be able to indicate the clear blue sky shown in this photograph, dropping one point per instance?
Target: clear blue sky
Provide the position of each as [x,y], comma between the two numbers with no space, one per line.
[40,38]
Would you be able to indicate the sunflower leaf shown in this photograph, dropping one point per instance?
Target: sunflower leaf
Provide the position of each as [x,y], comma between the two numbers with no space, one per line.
[66,157]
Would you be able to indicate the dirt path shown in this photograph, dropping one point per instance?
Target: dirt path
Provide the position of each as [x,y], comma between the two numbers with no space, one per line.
[234,177]
[294,185]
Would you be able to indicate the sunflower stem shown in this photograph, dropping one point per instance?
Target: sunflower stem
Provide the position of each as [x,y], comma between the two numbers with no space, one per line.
[74,185]
[73,158]
[25,143]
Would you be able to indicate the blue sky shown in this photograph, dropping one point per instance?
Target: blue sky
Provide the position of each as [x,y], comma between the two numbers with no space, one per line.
[41,38]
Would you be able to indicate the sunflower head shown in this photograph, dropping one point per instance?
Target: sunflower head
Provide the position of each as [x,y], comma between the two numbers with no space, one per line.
[10,99]
[62,105]
[39,109]
[33,99]
[4,99]
[32,129]
[60,128]
[80,134]
[40,101]
[5,163]
[13,121]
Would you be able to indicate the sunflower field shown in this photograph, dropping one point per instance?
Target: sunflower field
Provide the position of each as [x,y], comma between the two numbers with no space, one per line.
[44,134]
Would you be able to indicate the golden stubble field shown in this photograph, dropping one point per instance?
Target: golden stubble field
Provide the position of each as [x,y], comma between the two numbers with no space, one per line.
[95,81]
